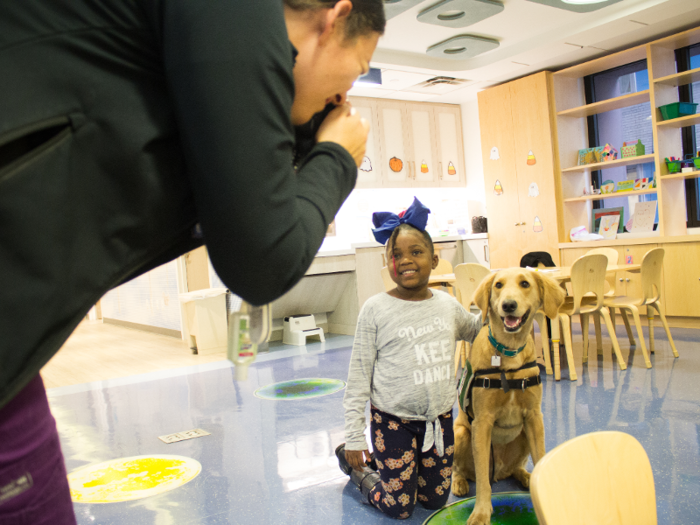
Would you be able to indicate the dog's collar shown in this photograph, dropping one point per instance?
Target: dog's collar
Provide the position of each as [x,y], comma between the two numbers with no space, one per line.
[503,348]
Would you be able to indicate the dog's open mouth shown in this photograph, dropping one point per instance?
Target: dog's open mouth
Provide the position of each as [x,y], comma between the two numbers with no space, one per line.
[512,323]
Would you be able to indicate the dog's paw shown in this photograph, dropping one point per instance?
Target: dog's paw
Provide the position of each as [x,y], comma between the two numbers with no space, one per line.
[523,476]
[480,516]
[460,486]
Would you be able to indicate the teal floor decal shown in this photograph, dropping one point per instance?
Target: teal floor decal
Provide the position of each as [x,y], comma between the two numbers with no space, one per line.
[509,508]
[300,389]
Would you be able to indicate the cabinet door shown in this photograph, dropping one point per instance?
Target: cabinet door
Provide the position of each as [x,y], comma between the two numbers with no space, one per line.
[393,141]
[477,251]
[450,146]
[369,173]
[500,180]
[422,154]
[682,279]
[532,129]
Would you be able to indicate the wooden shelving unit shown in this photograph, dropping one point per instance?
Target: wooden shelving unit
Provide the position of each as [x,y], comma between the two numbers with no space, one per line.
[615,195]
[571,110]
[627,161]
[624,101]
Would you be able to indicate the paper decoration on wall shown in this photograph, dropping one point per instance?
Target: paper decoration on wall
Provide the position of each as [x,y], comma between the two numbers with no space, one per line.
[628,259]
[537,226]
[608,226]
[608,186]
[366,164]
[644,215]
[533,190]
[451,169]
[530,159]
[395,164]
[497,188]
[423,167]
[494,153]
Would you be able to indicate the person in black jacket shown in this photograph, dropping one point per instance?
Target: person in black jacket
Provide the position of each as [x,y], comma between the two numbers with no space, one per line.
[126,129]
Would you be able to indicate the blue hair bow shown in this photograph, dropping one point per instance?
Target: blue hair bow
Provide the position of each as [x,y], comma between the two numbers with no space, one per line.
[386,222]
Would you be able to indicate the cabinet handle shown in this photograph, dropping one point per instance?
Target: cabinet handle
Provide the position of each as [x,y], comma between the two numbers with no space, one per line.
[440,169]
[414,169]
[517,224]
[522,224]
[627,279]
[621,279]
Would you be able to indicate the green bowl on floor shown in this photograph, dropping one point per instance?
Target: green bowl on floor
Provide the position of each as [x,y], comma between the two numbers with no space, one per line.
[509,508]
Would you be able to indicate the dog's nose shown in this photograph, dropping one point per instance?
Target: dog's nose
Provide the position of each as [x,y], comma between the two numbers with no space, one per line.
[509,306]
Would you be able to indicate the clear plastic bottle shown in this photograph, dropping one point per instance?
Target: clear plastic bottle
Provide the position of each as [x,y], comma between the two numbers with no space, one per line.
[247,328]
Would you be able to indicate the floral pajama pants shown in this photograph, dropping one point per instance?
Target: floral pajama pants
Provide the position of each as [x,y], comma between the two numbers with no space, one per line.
[409,475]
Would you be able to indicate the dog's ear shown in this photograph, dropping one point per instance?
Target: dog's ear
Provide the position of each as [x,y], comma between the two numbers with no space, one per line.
[551,294]
[482,296]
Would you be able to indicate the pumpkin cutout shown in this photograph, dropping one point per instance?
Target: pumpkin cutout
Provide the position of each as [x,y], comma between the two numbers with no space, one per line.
[395,164]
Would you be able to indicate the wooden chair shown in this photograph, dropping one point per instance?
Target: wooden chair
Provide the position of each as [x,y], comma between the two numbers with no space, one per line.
[587,276]
[613,257]
[652,265]
[468,276]
[601,477]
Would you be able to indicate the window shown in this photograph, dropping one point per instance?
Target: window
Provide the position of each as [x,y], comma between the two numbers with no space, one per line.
[625,125]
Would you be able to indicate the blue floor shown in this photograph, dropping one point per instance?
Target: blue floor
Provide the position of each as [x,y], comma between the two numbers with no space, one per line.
[272,462]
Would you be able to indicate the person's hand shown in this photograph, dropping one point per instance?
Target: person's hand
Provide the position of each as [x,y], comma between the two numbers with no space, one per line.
[357,458]
[344,126]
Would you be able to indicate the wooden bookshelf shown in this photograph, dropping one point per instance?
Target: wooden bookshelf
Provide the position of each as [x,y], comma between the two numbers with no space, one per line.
[614,195]
[679,79]
[624,101]
[688,175]
[627,161]
[680,122]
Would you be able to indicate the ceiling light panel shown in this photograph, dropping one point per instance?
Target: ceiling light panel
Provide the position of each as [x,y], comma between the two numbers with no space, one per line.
[461,47]
[394,8]
[577,6]
[459,13]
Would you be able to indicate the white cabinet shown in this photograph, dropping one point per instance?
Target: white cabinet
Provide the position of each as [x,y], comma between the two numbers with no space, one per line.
[412,144]
[477,251]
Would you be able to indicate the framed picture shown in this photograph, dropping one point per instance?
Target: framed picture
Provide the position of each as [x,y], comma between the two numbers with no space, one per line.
[602,212]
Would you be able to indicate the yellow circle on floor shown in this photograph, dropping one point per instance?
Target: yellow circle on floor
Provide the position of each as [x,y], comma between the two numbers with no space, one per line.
[131,478]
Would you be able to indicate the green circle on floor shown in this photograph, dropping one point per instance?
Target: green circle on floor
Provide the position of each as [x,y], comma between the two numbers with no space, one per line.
[509,508]
[300,389]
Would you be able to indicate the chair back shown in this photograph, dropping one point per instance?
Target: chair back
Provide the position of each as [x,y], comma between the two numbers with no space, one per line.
[652,265]
[386,278]
[442,267]
[588,277]
[601,477]
[468,276]
[613,256]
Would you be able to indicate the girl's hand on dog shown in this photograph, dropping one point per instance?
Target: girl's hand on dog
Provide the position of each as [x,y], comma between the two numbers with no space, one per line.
[357,458]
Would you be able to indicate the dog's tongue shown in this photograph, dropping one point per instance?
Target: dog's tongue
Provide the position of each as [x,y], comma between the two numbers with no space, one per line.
[512,322]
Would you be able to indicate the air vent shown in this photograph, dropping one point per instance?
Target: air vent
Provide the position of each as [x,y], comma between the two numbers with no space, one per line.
[438,85]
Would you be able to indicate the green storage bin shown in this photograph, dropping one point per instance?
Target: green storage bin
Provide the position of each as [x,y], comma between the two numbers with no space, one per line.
[677,109]
[674,166]
[696,161]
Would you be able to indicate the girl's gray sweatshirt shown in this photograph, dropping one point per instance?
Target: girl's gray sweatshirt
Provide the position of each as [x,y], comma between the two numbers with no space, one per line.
[402,362]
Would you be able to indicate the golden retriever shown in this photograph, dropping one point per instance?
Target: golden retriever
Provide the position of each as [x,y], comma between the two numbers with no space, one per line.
[509,422]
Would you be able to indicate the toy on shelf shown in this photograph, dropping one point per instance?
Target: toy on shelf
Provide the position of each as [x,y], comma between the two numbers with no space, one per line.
[609,153]
[625,185]
[590,155]
[677,109]
[642,184]
[608,186]
[632,149]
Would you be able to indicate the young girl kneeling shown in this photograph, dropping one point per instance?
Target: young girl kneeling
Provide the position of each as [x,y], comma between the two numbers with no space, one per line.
[402,362]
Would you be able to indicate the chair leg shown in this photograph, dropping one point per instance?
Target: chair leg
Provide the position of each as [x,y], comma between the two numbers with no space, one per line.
[584,331]
[557,325]
[638,324]
[612,315]
[544,336]
[616,347]
[668,332]
[625,320]
[598,333]
[650,321]
[458,348]
[566,325]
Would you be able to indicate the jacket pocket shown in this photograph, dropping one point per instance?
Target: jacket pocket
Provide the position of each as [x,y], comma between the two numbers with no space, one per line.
[20,147]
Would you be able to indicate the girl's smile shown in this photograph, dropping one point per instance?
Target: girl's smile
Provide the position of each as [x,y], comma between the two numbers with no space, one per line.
[410,264]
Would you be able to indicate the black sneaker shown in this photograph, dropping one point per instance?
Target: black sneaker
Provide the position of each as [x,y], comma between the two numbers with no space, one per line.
[345,466]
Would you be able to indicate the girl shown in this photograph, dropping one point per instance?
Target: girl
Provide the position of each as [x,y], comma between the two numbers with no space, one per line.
[402,363]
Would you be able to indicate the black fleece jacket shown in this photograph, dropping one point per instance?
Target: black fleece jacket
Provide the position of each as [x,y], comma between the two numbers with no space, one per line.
[125,123]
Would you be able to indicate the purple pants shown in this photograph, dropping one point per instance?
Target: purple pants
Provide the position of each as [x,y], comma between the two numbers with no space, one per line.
[33,480]
[409,475]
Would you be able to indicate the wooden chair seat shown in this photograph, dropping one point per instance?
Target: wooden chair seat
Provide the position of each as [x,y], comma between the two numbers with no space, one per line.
[468,276]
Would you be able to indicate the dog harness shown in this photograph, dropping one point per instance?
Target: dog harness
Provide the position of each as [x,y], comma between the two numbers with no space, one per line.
[471,379]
